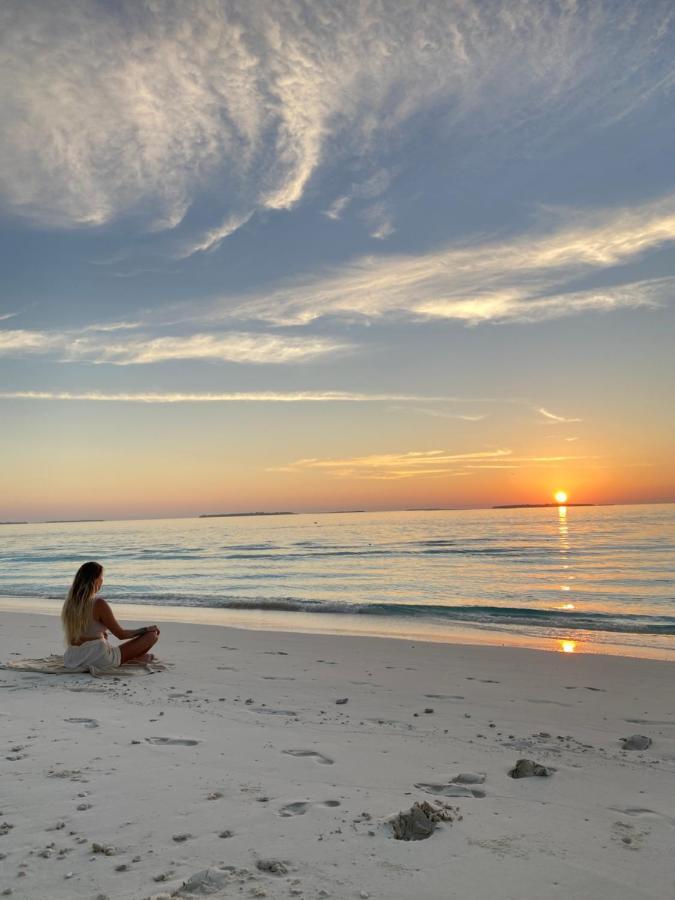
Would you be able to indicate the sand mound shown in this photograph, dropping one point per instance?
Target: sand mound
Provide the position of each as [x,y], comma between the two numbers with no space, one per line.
[527,768]
[419,822]
[636,742]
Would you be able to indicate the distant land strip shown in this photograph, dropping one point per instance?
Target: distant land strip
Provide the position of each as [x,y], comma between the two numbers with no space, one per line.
[539,505]
[70,521]
[233,515]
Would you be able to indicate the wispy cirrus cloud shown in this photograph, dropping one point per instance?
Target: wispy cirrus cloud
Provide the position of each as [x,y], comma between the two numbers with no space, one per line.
[445,406]
[393,466]
[553,419]
[521,279]
[437,413]
[214,237]
[247,101]
[85,345]
[233,397]
[421,464]
[376,216]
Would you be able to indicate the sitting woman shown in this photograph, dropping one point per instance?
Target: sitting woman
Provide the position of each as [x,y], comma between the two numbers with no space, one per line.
[86,621]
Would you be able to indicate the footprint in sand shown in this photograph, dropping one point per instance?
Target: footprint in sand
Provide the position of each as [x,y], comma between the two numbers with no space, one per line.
[650,721]
[167,741]
[311,754]
[629,836]
[88,723]
[87,690]
[548,702]
[300,807]
[470,778]
[641,812]
[264,711]
[451,790]
[445,696]
[294,809]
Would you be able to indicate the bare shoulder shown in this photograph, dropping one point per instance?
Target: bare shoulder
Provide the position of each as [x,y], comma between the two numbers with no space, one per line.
[101,608]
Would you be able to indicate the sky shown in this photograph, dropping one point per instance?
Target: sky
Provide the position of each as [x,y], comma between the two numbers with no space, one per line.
[334,254]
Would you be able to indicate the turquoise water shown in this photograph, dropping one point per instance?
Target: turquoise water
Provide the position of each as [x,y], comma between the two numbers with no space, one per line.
[600,573]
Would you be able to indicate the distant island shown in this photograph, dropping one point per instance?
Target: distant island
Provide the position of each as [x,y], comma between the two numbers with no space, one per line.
[538,505]
[70,521]
[13,523]
[335,512]
[426,509]
[238,515]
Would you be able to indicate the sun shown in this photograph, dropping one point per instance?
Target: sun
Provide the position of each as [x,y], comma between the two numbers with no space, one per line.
[560,497]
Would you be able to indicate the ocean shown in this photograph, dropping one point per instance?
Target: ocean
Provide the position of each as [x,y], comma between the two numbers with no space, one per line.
[579,578]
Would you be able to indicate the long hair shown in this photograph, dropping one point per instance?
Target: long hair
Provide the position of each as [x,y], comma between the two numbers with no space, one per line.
[76,611]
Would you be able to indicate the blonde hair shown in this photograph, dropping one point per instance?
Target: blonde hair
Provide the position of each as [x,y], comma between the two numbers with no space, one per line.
[76,611]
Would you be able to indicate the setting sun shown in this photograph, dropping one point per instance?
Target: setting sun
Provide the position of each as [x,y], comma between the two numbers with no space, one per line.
[560,497]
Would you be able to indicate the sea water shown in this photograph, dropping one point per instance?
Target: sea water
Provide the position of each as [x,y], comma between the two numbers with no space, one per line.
[583,577]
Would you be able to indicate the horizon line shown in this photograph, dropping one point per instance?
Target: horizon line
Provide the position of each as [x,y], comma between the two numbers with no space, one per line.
[327,512]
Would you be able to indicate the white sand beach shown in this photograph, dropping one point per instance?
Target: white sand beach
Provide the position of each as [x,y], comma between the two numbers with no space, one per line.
[265,764]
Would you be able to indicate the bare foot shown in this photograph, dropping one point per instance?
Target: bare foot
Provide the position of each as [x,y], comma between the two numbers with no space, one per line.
[140,660]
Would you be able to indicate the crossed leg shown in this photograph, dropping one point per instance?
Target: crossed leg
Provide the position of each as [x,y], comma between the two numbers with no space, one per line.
[136,650]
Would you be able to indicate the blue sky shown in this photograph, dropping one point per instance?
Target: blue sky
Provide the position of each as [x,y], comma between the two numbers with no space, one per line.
[457,213]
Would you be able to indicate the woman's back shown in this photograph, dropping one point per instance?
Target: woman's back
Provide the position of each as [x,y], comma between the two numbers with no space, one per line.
[94,629]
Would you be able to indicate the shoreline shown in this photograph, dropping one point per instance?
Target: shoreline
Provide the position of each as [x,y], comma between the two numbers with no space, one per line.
[256,746]
[282,622]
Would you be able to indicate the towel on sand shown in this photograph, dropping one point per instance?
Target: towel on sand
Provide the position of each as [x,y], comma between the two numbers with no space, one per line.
[53,665]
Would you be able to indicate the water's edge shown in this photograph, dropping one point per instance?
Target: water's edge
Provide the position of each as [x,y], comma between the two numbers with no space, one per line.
[450,633]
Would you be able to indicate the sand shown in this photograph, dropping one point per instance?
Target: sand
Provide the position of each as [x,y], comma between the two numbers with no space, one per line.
[265,764]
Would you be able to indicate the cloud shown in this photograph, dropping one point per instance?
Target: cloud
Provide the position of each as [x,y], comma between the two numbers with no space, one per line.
[420,463]
[104,327]
[337,207]
[528,278]
[237,347]
[19,342]
[145,108]
[377,217]
[248,397]
[444,414]
[379,220]
[553,419]
[411,458]
[394,466]
[213,238]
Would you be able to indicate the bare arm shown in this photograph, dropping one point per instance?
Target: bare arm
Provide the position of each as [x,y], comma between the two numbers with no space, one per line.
[104,615]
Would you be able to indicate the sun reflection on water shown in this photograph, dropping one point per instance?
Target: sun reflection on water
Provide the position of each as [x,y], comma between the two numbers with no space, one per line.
[567,646]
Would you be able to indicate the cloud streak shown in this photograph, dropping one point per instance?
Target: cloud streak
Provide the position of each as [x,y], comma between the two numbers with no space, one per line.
[421,464]
[237,347]
[553,419]
[138,107]
[227,397]
[244,397]
[522,279]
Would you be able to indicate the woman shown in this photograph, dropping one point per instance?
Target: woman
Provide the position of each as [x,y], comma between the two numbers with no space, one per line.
[86,621]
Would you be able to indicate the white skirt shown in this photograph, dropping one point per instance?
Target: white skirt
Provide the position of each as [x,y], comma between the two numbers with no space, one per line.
[92,656]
